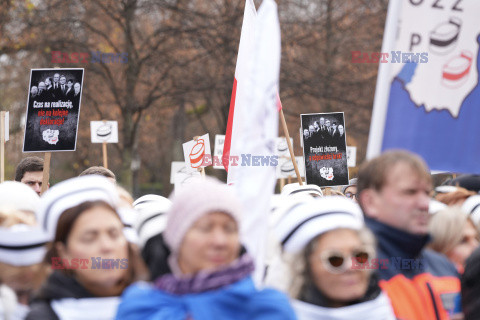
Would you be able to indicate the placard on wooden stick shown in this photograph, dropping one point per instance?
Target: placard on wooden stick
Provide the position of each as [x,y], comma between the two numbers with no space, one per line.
[104,132]
[4,136]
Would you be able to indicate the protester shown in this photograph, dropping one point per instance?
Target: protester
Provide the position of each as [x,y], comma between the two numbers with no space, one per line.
[93,262]
[452,196]
[211,275]
[329,250]
[394,193]
[454,235]
[296,188]
[329,191]
[468,181]
[30,172]
[22,247]
[472,207]
[150,223]
[471,287]
[128,215]
[350,190]
[101,171]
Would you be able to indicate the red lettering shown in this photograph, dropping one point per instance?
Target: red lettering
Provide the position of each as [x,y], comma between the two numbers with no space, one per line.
[83,57]
[375,57]
[84,263]
[66,58]
[57,57]
[74,57]
[356,56]
[57,263]
[384,57]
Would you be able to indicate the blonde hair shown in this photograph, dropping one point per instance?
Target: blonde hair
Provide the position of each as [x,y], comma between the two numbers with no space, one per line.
[10,217]
[30,277]
[298,263]
[332,192]
[446,228]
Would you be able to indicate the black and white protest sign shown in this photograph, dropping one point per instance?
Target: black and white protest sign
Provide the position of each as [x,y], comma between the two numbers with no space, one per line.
[53,109]
[324,149]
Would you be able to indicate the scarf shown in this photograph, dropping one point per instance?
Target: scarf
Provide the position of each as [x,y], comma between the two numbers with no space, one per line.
[376,309]
[207,280]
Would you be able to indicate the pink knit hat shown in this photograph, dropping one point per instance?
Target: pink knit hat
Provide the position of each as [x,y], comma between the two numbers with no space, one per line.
[192,202]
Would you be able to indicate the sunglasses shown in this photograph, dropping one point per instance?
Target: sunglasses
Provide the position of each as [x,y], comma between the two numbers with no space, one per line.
[338,262]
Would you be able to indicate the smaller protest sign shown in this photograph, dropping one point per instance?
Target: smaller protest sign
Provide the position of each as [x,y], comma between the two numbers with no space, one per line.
[104,131]
[286,169]
[352,156]
[195,152]
[324,149]
[218,150]
[179,175]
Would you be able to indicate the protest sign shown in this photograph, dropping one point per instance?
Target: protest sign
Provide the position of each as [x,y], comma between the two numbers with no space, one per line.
[218,149]
[352,156]
[427,96]
[324,149]
[286,169]
[195,151]
[104,131]
[179,175]
[53,109]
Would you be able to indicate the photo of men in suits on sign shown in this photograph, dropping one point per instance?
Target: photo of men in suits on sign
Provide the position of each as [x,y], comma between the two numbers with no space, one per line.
[325,148]
[53,108]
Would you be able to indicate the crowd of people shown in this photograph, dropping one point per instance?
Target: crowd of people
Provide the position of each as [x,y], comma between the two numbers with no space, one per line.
[389,245]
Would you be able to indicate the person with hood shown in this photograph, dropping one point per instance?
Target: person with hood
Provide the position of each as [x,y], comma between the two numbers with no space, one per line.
[211,273]
[92,260]
[332,261]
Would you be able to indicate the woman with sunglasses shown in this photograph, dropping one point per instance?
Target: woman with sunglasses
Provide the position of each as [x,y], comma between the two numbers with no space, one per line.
[332,262]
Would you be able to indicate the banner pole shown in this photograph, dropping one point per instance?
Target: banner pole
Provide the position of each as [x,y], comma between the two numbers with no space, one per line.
[46,171]
[290,148]
[2,146]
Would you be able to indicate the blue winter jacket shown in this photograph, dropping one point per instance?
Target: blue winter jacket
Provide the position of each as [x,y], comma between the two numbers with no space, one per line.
[240,300]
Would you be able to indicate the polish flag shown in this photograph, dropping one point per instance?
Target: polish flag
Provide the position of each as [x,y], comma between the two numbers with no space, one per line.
[245,54]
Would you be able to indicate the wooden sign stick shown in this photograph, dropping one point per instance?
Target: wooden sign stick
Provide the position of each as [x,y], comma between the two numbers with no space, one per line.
[290,148]
[105,158]
[2,146]
[46,171]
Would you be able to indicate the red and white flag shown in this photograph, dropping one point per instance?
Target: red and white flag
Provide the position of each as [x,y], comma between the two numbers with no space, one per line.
[256,108]
[245,54]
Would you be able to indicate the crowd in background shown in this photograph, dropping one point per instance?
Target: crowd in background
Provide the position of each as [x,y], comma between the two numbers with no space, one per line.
[390,245]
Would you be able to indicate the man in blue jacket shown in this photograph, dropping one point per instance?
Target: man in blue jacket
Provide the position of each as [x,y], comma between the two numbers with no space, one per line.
[394,192]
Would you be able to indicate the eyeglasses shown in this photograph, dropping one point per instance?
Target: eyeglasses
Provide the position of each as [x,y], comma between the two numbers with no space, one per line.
[350,195]
[338,262]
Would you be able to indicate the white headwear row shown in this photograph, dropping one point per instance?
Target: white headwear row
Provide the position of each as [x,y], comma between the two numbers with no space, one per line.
[305,220]
[20,244]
